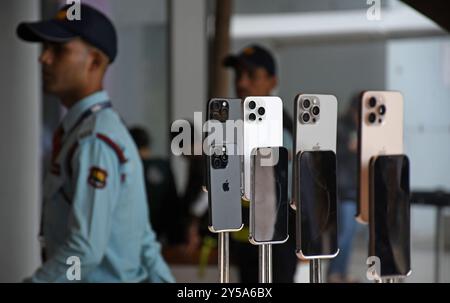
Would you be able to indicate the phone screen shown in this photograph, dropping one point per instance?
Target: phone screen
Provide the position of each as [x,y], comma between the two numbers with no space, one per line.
[317,202]
[390,214]
[269,201]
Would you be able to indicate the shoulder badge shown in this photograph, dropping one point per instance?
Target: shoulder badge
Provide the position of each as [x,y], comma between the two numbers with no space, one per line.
[97,177]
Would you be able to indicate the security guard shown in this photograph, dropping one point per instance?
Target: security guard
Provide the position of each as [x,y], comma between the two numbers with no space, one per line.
[94,196]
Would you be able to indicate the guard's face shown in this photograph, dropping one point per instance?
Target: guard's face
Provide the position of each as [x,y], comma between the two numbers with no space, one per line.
[65,66]
[253,82]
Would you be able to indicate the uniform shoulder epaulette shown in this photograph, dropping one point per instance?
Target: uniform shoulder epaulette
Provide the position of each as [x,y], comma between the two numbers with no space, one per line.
[114,146]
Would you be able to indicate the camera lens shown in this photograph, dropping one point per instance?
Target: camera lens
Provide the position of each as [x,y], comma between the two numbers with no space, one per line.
[224,113]
[306,117]
[215,105]
[261,111]
[315,110]
[216,163]
[252,117]
[215,116]
[372,118]
[306,103]
[382,109]
[252,104]
[373,102]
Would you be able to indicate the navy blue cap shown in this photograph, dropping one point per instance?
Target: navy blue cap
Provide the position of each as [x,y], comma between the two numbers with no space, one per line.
[94,28]
[252,56]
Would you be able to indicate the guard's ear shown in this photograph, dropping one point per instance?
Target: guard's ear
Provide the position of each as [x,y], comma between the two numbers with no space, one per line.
[273,82]
[99,59]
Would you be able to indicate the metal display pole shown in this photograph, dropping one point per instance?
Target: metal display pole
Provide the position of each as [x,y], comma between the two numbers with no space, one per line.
[315,271]
[438,245]
[224,257]
[265,263]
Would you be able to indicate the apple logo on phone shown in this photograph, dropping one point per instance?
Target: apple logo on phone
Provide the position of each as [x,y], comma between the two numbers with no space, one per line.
[226,186]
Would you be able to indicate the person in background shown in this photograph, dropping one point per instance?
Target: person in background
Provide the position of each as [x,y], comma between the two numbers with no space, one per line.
[194,200]
[256,75]
[163,200]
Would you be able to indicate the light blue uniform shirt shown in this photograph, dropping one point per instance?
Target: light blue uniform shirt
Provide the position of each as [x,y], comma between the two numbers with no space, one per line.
[95,204]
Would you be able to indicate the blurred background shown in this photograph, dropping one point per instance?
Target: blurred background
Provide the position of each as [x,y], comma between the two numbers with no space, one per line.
[169,65]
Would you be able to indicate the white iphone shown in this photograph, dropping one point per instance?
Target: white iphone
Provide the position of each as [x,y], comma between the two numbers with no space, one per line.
[263,127]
